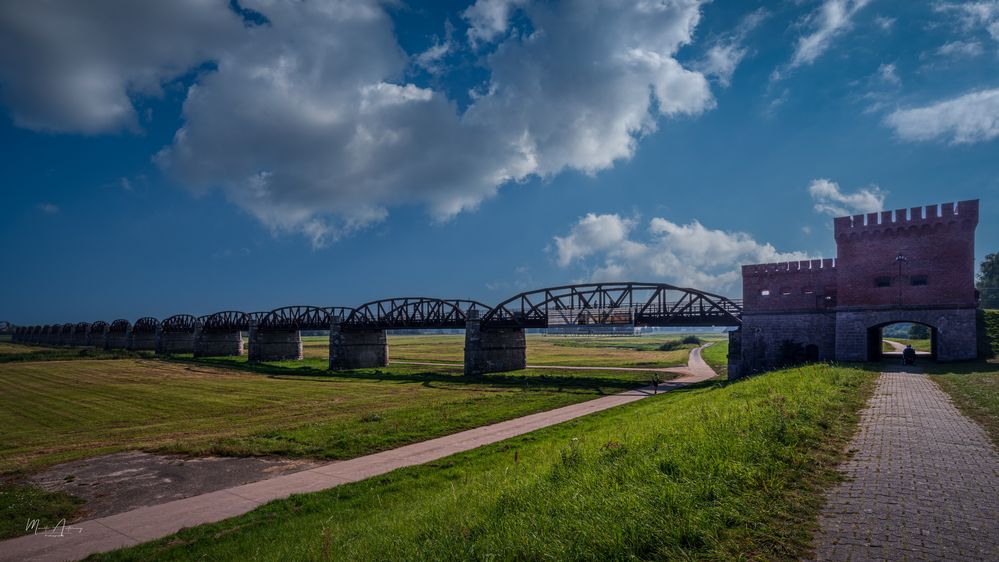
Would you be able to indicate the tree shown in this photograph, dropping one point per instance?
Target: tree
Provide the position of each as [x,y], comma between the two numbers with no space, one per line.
[919,332]
[988,281]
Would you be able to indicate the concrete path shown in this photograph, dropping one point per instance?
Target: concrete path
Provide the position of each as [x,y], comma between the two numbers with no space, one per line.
[153,522]
[922,485]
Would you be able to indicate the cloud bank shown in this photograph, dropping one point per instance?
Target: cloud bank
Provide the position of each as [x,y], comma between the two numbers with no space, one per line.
[966,119]
[309,122]
[829,199]
[689,255]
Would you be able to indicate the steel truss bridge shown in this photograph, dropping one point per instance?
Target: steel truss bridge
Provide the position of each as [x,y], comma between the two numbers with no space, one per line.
[590,304]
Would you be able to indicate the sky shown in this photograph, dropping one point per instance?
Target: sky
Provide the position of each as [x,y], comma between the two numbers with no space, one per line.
[192,156]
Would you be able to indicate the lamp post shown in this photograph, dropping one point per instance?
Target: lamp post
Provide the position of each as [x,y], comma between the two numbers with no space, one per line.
[900,259]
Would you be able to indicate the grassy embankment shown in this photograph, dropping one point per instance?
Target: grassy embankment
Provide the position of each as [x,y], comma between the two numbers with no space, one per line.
[718,472]
[974,387]
[58,404]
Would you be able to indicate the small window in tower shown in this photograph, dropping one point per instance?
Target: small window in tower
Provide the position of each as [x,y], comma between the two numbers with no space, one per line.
[808,290]
[882,281]
[919,280]
[764,292]
[785,290]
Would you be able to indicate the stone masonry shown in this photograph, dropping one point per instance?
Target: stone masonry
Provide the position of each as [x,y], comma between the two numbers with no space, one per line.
[494,351]
[357,349]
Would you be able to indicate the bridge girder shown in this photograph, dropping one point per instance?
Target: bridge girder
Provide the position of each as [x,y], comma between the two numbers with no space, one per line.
[412,313]
[629,303]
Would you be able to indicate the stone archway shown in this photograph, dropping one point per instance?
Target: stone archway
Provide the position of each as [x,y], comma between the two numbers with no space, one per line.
[949,327]
[875,337]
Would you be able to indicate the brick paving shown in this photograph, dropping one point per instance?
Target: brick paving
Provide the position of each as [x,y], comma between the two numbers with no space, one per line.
[923,483]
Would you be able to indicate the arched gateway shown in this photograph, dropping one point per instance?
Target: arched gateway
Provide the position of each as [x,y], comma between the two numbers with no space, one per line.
[895,266]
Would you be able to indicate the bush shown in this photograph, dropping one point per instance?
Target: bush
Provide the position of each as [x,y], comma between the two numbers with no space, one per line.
[692,340]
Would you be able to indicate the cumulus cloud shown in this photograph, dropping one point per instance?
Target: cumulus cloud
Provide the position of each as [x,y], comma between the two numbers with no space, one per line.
[593,233]
[727,52]
[970,118]
[309,122]
[829,21]
[74,66]
[686,255]
[828,198]
[489,19]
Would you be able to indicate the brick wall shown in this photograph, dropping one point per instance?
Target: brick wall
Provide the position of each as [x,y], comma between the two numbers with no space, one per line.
[937,242]
[790,286]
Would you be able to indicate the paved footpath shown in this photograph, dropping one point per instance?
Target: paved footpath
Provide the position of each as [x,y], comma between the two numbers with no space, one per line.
[923,483]
[157,521]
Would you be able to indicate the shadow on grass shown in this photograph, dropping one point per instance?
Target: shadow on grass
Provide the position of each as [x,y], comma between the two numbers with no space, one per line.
[71,353]
[533,381]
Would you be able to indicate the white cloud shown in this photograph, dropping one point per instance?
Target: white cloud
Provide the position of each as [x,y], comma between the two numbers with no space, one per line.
[829,21]
[309,123]
[885,23]
[489,19]
[686,255]
[48,208]
[724,56]
[888,74]
[961,49]
[74,66]
[828,198]
[593,233]
[974,15]
[970,118]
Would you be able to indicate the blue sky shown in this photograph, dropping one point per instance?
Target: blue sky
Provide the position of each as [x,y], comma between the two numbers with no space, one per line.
[179,157]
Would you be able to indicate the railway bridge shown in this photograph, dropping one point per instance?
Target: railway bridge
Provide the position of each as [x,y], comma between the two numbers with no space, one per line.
[495,336]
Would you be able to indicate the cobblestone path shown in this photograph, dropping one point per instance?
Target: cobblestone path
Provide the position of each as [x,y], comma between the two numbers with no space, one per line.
[923,483]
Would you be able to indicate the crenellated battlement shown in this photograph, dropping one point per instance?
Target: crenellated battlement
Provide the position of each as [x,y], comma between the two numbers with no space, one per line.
[816,265]
[916,216]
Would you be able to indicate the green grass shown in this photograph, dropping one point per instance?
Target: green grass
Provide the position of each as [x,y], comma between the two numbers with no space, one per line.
[55,411]
[21,502]
[594,351]
[716,356]
[14,352]
[720,472]
[974,387]
[918,345]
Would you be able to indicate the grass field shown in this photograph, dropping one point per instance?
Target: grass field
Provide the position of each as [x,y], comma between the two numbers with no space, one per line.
[974,387]
[596,351]
[918,345]
[718,472]
[55,411]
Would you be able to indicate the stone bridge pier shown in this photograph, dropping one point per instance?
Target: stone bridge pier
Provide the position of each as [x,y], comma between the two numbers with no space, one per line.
[97,337]
[118,340]
[80,337]
[275,345]
[213,343]
[493,350]
[357,349]
[175,342]
[143,340]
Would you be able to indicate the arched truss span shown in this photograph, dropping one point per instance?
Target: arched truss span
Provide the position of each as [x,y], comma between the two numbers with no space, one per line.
[225,321]
[413,313]
[296,318]
[638,304]
[99,326]
[81,326]
[120,326]
[145,324]
[180,323]
[339,314]
[67,329]
[5,326]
